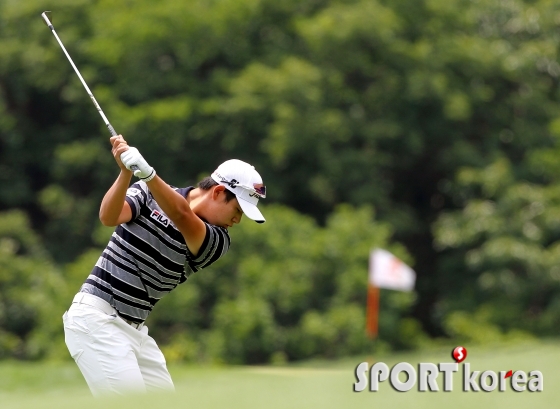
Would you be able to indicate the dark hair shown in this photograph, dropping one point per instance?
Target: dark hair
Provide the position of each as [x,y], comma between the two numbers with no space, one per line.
[208,183]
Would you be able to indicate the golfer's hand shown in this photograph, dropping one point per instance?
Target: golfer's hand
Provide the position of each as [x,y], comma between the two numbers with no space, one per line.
[133,160]
[119,147]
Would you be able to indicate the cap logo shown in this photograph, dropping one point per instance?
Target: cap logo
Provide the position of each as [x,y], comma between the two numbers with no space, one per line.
[258,190]
[232,183]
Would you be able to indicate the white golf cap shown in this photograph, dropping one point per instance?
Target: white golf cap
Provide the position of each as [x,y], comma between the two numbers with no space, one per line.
[245,182]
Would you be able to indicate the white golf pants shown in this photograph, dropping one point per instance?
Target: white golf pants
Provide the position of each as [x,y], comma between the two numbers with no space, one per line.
[114,357]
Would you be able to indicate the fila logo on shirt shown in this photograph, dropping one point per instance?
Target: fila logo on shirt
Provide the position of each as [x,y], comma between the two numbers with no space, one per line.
[159,217]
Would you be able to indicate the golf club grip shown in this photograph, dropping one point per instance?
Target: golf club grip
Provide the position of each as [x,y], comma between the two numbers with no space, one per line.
[111,129]
[133,168]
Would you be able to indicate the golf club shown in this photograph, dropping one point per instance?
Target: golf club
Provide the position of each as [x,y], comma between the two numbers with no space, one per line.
[109,126]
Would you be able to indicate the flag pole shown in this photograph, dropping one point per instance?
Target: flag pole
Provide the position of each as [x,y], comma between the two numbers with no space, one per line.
[372,314]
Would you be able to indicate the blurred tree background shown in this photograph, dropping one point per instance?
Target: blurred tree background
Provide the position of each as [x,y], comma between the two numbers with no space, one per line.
[427,127]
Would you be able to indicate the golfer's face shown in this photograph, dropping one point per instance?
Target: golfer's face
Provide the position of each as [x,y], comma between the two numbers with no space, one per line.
[228,213]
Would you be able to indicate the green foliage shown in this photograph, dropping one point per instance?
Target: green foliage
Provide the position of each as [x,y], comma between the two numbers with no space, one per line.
[441,115]
[29,286]
[508,236]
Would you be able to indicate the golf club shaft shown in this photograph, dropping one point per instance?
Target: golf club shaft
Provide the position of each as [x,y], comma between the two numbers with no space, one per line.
[109,126]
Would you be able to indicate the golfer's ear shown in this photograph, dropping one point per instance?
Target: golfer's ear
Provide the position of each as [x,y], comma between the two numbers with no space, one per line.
[216,190]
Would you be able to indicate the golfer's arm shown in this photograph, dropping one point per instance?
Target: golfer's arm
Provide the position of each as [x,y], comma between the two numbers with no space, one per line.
[114,210]
[178,210]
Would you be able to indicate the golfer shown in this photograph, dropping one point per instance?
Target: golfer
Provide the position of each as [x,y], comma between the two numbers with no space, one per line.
[163,235]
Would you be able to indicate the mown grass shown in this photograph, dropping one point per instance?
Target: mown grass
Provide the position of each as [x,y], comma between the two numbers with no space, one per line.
[308,385]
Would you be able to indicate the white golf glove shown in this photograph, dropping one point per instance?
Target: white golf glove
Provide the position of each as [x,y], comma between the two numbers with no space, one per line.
[134,161]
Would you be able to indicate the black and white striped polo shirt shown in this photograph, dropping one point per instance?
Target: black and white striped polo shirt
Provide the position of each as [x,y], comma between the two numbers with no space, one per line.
[147,257]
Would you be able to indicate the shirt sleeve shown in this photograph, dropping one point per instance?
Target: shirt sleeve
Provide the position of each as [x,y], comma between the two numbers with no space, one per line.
[216,244]
[136,197]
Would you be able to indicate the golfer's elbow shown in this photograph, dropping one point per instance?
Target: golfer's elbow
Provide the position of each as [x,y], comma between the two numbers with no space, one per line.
[112,216]
[106,220]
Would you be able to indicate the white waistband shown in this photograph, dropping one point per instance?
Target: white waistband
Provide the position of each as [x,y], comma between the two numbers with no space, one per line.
[94,301]
[101,304]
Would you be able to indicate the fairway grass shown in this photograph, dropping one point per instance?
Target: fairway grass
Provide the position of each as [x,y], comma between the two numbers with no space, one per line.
[308,385]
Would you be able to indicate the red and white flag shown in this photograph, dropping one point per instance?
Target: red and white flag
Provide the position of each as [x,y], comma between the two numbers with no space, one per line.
[385,271]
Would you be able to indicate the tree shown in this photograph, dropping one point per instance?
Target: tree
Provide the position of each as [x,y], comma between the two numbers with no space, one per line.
[30,313]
